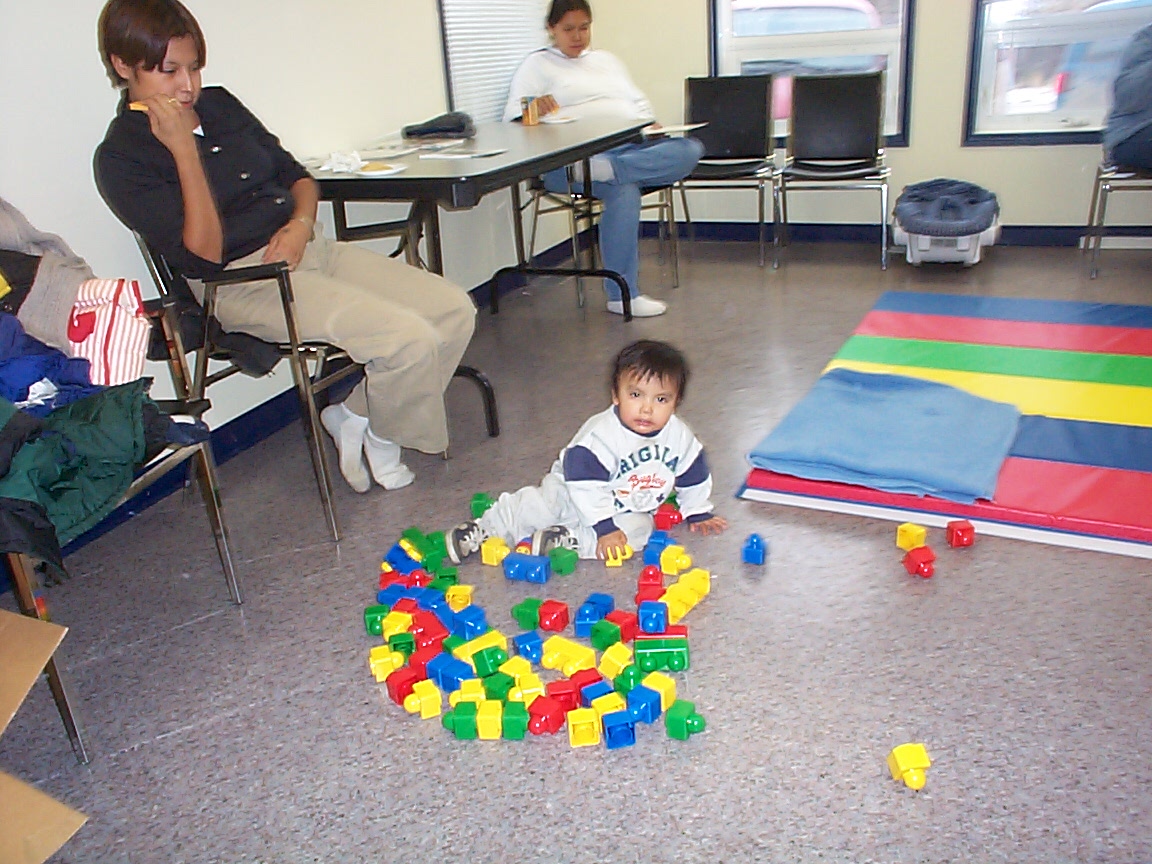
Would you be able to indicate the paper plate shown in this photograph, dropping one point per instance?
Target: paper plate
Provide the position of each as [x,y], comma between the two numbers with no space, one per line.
[379,169]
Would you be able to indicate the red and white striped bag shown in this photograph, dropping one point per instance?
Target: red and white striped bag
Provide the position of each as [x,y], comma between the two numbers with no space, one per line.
[108,328]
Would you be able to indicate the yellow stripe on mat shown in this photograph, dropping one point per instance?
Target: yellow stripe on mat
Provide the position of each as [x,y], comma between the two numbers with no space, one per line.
[1069,400]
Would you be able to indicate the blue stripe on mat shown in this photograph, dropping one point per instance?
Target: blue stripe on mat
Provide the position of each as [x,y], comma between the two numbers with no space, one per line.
[1104,445]
[1013,309]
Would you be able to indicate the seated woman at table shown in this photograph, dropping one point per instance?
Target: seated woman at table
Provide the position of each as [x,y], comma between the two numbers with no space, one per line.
[209,187]
[569,76]
[1128,130]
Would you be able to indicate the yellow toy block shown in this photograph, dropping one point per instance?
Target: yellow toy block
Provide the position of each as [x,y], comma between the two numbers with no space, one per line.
[471,690]
[493,551]
[697,579]
[614,659]
[567,656]
[411,550]
[393,623]
[617,559]
[908,762]
[528,689]
[674,559]
[490,719]
[516,666]
[583,727]
[383,661]
[458,597]
[385,567]
[909,535]
[663,685]
[424,700]
[609,703]
[493,638]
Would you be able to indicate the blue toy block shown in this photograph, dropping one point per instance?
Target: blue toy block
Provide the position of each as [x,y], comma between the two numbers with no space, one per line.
[400,560]
[644,704]
[755,550]
[586,616]
[388,596]
[435,668]
[594,691]
[469,623]
[652,555]
[519,567]
[604,602]
[652,616]
[442,610]
[530,646]
[660,538]
[455,673]
[619,730]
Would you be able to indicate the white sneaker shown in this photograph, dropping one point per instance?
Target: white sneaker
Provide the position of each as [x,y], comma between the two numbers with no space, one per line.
[384,461]
[643,306]
[348,430]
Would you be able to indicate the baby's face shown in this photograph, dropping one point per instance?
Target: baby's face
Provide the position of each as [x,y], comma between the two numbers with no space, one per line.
[645,404]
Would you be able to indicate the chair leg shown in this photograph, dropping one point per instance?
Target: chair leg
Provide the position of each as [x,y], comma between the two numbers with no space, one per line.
[687,215]
[21,571]
[577,258]
[1090,228]
[668,196]
[884,225]
[205,469]
[1098,231]
[535,221]
[777,224]
[487,394]
[760,220]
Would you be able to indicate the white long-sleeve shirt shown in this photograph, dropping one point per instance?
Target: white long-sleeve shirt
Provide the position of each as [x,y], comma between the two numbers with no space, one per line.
[595,84]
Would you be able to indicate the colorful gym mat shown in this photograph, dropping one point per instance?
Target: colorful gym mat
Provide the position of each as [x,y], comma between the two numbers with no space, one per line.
[1079,472]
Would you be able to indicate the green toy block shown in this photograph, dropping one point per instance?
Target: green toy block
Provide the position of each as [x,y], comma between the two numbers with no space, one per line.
[481,501]
[515,721]
[527,613]
[563,560]
[436,543]
[452,643]
[630,676]
[668,653]
[405,643]
[605,634]
[671,499]
[416,537]
[461,721]
[442,584]
[445,571]
[489,660]
[497,685]
[681,720]
[373,615]
[432,562]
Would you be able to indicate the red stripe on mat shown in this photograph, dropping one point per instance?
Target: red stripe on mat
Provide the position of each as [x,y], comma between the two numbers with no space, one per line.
[1101,502]
[1022,334]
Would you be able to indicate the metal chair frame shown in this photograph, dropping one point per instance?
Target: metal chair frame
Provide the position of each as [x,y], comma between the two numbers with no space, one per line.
[1109,178]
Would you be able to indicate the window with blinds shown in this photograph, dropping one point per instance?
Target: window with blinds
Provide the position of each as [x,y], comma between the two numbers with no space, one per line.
[484,43]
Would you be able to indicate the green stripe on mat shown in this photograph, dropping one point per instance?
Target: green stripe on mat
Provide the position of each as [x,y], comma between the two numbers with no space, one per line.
[1000,360]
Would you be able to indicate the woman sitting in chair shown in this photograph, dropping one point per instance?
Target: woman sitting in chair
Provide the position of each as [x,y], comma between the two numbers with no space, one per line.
[206,185]
[568,75]
[1128,130]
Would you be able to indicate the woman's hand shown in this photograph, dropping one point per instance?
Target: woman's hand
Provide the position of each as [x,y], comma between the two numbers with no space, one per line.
[546,104]
[613,543]
[715,525]
[170,123]
[288,244]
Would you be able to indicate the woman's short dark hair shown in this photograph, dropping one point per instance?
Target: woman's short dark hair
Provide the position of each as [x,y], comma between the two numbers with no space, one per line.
[138,32]
[560,8]
[648,358]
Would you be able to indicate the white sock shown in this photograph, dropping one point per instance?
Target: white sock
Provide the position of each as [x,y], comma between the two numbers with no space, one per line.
[348,431]
[384,460]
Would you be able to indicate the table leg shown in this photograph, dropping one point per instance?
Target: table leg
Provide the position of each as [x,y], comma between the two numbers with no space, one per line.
[517,224]
[432,237]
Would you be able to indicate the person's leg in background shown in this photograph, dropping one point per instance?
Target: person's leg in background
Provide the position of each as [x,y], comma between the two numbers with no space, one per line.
[1135,151]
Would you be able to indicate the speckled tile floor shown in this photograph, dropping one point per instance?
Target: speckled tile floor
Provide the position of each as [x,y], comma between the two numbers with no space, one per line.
[255,733]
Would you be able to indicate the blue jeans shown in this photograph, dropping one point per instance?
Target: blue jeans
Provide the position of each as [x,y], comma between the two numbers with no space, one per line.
[660,162]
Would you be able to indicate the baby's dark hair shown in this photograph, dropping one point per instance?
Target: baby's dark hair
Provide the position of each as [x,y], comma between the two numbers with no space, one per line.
[560,8]
[648,358]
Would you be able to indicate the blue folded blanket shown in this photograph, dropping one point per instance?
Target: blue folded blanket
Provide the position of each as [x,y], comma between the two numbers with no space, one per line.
[895,434]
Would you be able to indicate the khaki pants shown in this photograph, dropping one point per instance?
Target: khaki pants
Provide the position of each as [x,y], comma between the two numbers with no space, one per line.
[407,326]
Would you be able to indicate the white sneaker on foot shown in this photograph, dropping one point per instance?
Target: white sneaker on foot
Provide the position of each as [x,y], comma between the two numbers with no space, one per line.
[348,430]
[643,306]
[384,461]
[464,539]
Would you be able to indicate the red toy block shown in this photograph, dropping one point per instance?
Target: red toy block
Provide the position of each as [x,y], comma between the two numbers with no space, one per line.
[961,533]
[651,575]
[406,604]
[675,630]
[626,621]
[419,660]
[553,616]
[400,683]
[390,577]
[667,517]
[417,579]
[524,546]
[919,561]
[428,630]
[585,677]
[564,692]
[649,592]
[545,716]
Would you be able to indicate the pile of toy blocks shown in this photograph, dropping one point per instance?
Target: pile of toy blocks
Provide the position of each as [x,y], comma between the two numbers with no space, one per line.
[438,645]
[919,558]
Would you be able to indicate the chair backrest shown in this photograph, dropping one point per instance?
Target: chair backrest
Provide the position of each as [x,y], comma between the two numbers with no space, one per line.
[837,117]
[738,111]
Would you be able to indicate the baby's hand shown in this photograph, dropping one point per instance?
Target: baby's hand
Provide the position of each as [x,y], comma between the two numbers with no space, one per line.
[715,525]
[611,543]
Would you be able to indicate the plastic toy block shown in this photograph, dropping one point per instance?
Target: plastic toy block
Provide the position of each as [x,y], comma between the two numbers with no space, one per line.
[516,666]
[585,677]
[418,579]
[680,600]
[614,659]
[909,535]
[410,548]
[400,684]
[451,674]
[452,643]
[659,540]
[626,621]
[487,661]
[908,762]
[469,622]
[565,692]
[442,583]
[651,574]
[498,685]
[405,643]
[960,532]
[432,636]
[553,616]
[489,720]
[583,727]
[528,689]
[663,685]
[920,561]
[545,716]
[676,630]
[604,602]
[699,580]
[616,558]
[674,559]
[651,556]
[524,546]
[527,613]
[390,577]
[515,721]
[383,661]
[395,622]
[594,691]
[755,550]
[563,560]
[373,615]
[400,560]
[644,704]
[471,690]
[489,639]
[586,616]
[520,567]
[648,592]
[653,616]
[658,652]
[444,611]
[481,501]
[630,676]
[529,645]
[458,597]
[406,604]
[619,730]
[681,720]
[609,703]
[418,662]
[604,635]
[447,571]
[667,517]
[424,700]
[493,551]
[567,656]
[461,721]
